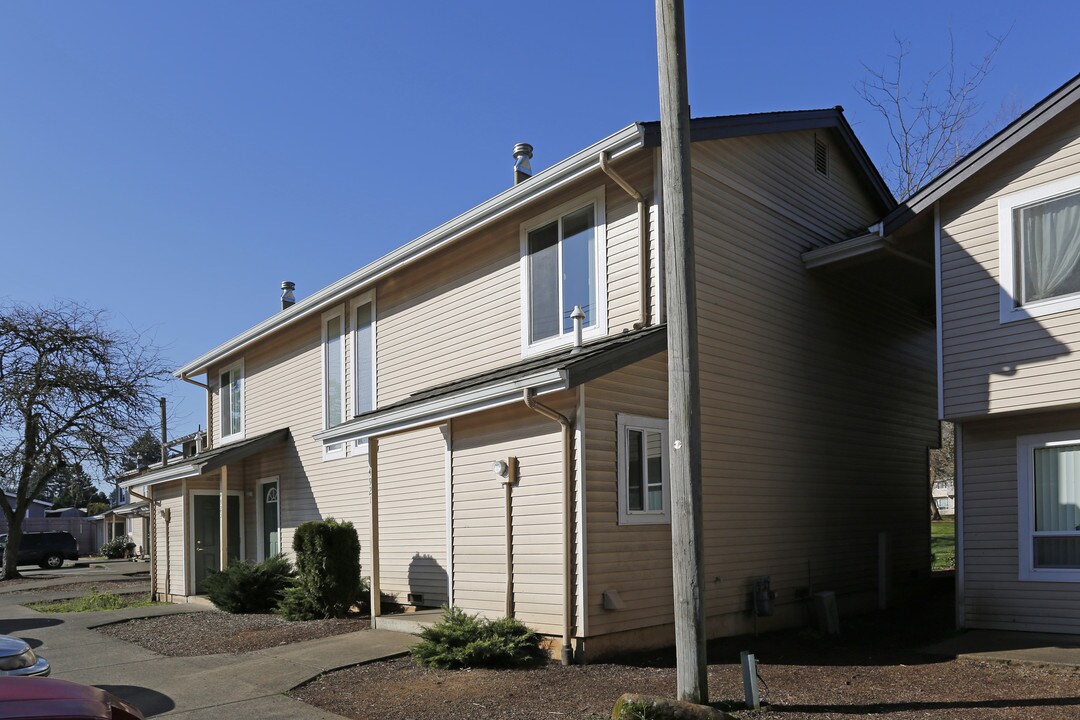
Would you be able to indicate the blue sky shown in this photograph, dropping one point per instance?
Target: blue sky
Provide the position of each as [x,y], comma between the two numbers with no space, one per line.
[173,162]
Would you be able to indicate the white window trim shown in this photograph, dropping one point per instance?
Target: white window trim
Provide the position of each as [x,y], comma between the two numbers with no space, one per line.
[360,447]
[1010,308]
[596,198]
[339,311]
[1025,448]
[259,494]
[239,435]
[191,531]
[641,517]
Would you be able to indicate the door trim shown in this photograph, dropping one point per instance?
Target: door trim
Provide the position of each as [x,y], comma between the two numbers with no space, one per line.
[259,515]
[191,531]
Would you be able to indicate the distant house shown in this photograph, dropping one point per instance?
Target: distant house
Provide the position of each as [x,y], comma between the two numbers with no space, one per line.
[65,512]
[944,495]
[437,398]
[1003,229]
[36,508]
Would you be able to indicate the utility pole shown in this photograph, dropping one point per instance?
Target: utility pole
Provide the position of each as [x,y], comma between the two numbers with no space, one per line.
[684,406]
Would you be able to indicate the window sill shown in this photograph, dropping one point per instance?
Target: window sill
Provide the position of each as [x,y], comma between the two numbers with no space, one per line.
[560,342]
[644,519]
[1050,575]
[235,437]
[1011,313]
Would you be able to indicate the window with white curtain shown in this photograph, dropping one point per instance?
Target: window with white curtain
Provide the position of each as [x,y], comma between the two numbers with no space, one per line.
[1049,501]
[1039,233]
[231,402]
[333,340]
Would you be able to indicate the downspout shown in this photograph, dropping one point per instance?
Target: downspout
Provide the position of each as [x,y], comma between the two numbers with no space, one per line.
[209,415]
[568,470]
[643,239]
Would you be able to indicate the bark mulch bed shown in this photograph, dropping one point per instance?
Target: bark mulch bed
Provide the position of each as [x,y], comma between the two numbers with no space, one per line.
[212,632]
[873,670]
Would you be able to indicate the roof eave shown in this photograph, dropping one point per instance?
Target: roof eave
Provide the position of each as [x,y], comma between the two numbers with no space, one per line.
[566,171]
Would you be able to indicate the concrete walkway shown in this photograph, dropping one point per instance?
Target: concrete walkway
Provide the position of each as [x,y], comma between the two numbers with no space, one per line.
[208,686]
[1011,647]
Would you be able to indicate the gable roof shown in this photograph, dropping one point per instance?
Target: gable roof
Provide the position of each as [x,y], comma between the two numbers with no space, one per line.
[631,138]
[209,460]
[559,370]
[36,502]
[1034,118]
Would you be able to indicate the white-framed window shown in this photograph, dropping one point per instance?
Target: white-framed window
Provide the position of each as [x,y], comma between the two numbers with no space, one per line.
[362,311]
[231,402]
[333,360]
[943,503]
[1039,250]
[644,493]
[562,266]
[1048,469]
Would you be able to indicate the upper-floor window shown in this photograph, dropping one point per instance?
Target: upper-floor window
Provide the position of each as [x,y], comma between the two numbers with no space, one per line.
[563,267]
[363,312]
[231,396]
[644,496]
[333,368]
[1040,250]
[1049,504]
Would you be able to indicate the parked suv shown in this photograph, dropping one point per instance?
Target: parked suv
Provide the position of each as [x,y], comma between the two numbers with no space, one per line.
[46,549]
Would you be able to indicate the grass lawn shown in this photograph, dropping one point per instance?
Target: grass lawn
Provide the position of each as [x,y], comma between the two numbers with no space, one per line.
[93,602]
[943,543]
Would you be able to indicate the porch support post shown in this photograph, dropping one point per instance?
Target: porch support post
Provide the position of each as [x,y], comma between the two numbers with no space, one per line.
[223,543]
[373,524]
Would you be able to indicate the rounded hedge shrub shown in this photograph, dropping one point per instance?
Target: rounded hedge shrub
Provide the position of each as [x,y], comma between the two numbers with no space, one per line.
[247,587]
[116,547]
[328,581]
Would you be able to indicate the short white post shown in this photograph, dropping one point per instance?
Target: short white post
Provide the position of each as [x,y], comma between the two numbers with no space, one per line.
[749,680]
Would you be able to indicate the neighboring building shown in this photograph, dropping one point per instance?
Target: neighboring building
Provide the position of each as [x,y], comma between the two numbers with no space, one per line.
[65,512]
[36,508]
[448,367]
[944,495]
[1005,222]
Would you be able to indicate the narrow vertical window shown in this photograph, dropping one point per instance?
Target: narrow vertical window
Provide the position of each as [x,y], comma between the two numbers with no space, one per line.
[231,395]
[364,350]
[334,370]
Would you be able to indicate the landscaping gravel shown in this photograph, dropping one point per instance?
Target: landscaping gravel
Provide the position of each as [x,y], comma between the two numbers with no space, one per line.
[211,632]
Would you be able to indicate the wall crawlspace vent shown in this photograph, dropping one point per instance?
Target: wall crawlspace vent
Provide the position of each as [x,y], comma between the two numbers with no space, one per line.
[821,156]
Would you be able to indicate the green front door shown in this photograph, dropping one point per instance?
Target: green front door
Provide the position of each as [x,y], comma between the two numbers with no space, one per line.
[206,532]
[269,501]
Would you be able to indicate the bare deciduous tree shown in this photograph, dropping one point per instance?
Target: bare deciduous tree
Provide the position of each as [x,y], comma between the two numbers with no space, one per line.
[931,122]
[72,390]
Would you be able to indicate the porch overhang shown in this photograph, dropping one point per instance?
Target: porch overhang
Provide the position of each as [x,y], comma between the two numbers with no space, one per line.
[207,462]
[543,375]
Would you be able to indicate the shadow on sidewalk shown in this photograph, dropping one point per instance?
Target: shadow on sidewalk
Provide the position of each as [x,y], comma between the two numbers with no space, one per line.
[151,702]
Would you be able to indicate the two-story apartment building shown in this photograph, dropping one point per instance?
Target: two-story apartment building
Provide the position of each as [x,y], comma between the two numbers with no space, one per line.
[1004,223]
[436,399]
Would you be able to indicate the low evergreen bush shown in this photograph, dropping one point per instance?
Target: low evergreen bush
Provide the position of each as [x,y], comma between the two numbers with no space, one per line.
[247,587]
[116,547]
[328,571]
[461,640]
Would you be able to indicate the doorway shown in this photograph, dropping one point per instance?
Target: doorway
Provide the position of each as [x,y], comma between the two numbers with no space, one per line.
[206,534]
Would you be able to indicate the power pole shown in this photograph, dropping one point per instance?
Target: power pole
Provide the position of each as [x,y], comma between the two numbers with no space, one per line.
[684,406]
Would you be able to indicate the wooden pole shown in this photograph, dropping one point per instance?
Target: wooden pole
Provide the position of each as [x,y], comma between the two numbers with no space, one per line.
[223,527]
[373,527]
[684,411]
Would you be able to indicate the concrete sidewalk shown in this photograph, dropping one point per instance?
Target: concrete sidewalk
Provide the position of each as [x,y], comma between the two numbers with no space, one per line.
[1011,647]
[208,686]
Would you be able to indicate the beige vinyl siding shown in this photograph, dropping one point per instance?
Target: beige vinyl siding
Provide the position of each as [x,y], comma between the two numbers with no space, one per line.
[990,367]
[283,388]
[412,516]
[537,502]
[633,560]
[458,312]
[994,597]
[171,553]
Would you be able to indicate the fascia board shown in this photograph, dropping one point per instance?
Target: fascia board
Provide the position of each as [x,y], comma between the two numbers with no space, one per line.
[168,474]
[566,171]
[845,250]
[444,408]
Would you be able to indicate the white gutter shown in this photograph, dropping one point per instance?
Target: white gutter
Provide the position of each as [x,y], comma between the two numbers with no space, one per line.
[166,474]
[846,250]
[443,408]
[562,173]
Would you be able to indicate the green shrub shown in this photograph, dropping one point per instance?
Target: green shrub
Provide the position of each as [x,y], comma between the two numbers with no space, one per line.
[93,602]
[247,587]
[328,571]
[116,547]
[461,640]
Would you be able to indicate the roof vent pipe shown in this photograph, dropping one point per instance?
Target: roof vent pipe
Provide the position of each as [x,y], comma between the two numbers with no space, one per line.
[523,153]
[578,316]
[288,299]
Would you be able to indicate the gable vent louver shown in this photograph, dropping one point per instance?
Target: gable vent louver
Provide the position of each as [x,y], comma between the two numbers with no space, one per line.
[821,156]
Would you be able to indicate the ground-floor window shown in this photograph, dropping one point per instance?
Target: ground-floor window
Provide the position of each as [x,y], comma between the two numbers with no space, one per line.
[643,470]
[1049,502]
